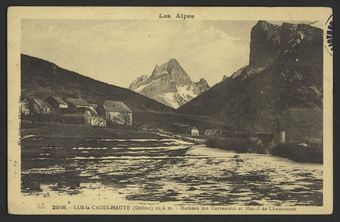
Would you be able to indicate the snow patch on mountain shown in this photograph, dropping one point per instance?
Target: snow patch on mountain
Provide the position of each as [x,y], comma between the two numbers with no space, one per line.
[169,99]
[169,84]
[187,92]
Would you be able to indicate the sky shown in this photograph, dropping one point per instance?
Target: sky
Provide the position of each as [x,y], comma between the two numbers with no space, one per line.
[118,51]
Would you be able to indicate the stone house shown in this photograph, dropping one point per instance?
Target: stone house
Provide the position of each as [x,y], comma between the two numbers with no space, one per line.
[116,112]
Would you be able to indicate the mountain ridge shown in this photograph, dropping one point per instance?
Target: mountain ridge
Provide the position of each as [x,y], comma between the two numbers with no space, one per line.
[42,78]
[282,81]
[169,84]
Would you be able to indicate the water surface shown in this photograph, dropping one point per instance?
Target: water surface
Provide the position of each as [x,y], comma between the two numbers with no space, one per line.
[168,171]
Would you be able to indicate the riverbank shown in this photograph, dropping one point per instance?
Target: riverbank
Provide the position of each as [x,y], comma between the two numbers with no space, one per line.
[240,145]
[299,152]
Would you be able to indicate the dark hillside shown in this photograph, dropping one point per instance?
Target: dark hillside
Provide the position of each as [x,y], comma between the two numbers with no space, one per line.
[41,78]
[280,89]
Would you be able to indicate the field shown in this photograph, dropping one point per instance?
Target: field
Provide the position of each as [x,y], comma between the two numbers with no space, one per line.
[71,134]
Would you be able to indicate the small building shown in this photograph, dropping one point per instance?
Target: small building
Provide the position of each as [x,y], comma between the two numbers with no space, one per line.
[24,106]
[213,132]
[40,107]
[80,106]
[195,132]
[116,112]
[95,121]
[57,102]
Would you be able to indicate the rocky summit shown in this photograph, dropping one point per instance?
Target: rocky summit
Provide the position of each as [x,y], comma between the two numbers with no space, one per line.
[280,88]
[169,84]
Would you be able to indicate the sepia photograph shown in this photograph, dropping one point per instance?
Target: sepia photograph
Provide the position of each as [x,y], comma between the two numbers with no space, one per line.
[170,111]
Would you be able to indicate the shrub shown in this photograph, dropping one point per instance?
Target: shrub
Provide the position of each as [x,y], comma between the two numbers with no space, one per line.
[294,151]
[241,145]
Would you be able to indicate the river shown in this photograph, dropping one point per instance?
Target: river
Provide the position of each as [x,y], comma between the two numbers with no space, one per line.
[167,171]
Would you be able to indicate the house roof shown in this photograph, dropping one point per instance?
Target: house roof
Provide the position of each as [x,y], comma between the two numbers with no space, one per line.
[58,100]
[40,102]
[37,104]
[115,106]
[77,102]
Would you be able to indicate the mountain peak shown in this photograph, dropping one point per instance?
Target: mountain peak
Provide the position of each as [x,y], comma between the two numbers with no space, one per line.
[264,25]
[171,63]
[171,70]
[269,42]
[281,85]
[169,84]
[173,60]
[41,78]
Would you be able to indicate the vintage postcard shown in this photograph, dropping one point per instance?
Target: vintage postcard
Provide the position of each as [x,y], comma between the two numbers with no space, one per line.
[170,110]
